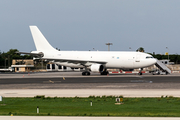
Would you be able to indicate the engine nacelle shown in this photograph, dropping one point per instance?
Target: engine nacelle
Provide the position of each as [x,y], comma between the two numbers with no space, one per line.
[97,68]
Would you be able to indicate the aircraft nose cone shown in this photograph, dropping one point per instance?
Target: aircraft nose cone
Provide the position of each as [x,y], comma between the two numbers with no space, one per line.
[154,61]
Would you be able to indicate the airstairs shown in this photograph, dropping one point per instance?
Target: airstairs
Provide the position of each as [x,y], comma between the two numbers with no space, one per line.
[163,67]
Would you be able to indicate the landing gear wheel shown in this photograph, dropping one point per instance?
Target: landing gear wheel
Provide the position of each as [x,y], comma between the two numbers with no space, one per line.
[105,73]
[140,73]
[86,73]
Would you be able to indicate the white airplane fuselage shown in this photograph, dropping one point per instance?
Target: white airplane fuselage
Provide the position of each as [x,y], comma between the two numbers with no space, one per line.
[113,59]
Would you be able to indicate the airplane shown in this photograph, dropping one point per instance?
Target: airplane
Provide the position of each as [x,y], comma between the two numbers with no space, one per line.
[92,61]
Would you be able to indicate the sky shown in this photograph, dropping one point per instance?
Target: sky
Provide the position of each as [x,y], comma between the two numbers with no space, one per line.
[83,25]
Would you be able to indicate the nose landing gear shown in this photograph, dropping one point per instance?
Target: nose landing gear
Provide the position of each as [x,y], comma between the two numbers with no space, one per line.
[140,71]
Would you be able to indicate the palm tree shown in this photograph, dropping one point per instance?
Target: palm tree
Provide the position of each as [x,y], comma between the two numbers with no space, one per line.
[141,49]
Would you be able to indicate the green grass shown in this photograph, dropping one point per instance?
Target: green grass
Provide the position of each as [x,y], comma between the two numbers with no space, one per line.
[102,106]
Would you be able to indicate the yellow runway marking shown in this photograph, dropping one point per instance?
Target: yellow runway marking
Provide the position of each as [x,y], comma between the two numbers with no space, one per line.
[51,81]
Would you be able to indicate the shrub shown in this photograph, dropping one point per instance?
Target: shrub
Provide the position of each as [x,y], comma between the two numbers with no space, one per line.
[40,96]
[121,96]
[158,99]
[76,97]
[91,96]
[103,96]
[171,97]
[110,96]
[48,97]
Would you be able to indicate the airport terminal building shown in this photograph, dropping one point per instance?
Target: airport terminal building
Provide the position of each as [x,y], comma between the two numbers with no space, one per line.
[22,65]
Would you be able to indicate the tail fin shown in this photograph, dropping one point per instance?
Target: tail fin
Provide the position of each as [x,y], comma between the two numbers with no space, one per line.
[40,41]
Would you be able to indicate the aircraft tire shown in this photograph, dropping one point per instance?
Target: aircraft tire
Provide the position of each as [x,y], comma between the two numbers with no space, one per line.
[104,73]
[86,73]
[140,73]
[107,73]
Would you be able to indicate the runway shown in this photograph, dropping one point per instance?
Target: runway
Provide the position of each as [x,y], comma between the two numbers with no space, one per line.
[71,84]
[74,80]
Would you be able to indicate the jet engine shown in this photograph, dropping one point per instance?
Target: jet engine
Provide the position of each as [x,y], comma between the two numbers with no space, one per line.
[97,68]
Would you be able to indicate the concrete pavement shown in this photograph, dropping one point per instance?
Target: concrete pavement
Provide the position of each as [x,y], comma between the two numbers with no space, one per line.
[88,92]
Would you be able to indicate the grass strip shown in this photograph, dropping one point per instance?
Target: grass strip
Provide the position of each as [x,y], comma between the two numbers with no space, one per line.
[101,106]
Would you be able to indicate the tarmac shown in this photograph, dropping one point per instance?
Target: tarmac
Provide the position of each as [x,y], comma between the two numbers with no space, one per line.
[71,84]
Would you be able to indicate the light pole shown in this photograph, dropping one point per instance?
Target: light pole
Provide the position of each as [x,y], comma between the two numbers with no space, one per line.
[168,52]
[109,45]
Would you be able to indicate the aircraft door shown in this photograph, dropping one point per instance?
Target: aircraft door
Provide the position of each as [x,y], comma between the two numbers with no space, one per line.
[138,56]
[137,60]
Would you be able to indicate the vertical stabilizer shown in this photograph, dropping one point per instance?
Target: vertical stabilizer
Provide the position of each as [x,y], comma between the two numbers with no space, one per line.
[39,40]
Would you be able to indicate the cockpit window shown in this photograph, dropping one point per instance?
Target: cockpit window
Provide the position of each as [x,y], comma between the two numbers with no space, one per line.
[149,57]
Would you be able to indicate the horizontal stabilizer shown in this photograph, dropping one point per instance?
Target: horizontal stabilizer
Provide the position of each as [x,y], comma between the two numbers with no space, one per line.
[40,54]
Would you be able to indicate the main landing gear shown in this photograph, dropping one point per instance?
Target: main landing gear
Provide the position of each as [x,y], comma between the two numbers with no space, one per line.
[86,73]
[105,72]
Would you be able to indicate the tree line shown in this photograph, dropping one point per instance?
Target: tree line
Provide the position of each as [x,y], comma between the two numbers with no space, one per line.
[6,58]
[173,58]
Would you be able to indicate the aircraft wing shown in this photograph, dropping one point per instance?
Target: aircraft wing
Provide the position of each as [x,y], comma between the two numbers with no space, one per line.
[79,61]
[75,61]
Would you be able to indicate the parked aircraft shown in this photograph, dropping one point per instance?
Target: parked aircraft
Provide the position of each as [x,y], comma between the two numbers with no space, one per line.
[92,61]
